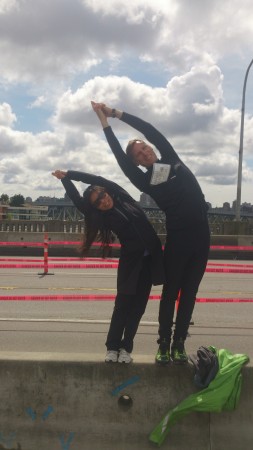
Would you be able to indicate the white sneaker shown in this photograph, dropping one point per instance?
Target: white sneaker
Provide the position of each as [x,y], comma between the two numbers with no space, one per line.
[111,356]
[124,356]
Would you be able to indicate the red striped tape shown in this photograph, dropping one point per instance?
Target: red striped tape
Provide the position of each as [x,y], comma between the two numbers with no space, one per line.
[105,266]
[38,260]
[108,297]
[229,264]
[41,244]
[106,260]
[231,247]
[59,266]
[23,244]
[218,270]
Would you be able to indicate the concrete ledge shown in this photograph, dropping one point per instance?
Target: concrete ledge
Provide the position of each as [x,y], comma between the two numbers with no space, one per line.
[67,401]
[227,239]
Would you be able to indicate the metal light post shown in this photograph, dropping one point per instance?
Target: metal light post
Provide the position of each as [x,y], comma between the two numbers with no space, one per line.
[239,179]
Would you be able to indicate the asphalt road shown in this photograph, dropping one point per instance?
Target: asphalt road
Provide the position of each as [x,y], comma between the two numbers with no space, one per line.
[81,326]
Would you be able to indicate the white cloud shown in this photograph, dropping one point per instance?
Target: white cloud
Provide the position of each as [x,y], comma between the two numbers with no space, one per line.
[38,102]
[7,5]
[206,142]
[176,109]
[65,54]
[7,117]
[44,40]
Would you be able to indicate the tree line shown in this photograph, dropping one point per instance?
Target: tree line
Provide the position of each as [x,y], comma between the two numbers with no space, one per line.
[15,200]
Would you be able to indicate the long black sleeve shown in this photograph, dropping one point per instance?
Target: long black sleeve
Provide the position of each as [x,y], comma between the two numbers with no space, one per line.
[73,193]
[96,180]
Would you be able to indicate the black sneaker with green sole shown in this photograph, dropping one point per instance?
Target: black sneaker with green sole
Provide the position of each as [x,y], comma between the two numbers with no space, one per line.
[163,353]
[178,353]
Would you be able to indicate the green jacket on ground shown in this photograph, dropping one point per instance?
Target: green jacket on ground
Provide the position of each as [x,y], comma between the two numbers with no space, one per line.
[222,394]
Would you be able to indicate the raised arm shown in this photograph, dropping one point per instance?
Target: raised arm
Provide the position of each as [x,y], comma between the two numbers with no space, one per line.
[70,189]
[135,175]
[96,180]
[148,130]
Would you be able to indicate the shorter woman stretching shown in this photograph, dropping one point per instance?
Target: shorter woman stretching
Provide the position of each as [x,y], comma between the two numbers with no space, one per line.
[108,209]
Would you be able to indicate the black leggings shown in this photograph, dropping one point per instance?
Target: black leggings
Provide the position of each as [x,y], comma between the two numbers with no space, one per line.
[128,311]
[185,258]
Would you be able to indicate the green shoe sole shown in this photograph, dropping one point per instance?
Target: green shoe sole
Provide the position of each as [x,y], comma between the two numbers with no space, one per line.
[162,359]
[180,361]
[179,358]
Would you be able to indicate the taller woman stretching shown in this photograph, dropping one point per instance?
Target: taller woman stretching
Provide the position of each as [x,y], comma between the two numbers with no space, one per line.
[176,191]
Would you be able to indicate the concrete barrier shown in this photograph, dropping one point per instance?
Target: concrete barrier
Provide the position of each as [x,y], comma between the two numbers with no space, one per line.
[71,250]
[78,402]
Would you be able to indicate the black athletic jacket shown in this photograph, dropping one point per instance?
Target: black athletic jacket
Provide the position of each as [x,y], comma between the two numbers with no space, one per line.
[180,197]
[128,221]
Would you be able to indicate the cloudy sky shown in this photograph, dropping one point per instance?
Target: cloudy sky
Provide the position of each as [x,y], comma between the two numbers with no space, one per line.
[179,64]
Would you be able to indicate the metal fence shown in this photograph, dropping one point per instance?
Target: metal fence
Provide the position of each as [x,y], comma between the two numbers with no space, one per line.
[59,226]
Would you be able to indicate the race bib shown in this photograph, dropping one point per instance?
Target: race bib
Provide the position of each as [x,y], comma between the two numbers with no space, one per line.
[160,173]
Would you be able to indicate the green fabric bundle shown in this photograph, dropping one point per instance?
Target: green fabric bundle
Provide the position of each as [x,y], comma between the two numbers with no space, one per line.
[222,394]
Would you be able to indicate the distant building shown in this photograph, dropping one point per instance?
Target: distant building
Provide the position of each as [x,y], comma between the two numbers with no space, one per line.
[3,210]
[226,206]
[52,200]
[26,212]
[247,207]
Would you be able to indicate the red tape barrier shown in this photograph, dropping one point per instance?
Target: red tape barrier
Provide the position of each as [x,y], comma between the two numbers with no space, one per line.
[230,264]
[59,266]
[37,260]
[23,244]
[105,261]
[41,244]
[46,266]
[108,297]
[102,266]
[209,270]
[231,247]
[107,266]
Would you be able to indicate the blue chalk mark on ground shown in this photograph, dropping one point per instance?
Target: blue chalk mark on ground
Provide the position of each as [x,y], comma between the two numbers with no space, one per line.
[46,413]
[31,413]
[8,441]
[65,445]
[125,384]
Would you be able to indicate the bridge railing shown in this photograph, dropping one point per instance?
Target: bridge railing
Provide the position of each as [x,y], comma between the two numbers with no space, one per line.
[60,226]
[27,226]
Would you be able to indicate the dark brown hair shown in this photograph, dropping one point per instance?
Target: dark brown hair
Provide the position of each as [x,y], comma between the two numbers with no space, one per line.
[95,226]
[129,148]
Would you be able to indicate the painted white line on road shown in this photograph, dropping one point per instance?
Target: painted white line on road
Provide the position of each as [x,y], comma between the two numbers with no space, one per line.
[107,322]
[87,321]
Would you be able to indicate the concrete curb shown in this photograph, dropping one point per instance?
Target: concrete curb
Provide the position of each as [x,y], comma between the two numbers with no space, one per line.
[68,401]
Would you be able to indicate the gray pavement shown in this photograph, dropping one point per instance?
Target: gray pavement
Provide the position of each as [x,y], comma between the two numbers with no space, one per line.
[81,326]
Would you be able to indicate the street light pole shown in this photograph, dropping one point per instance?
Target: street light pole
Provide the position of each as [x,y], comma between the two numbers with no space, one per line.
[239,179]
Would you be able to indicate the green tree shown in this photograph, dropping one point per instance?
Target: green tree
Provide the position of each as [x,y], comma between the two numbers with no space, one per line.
[17,200]
[4,199]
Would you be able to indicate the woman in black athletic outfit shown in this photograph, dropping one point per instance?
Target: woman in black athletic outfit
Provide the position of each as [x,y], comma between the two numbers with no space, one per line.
[108,208]
[176,191]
